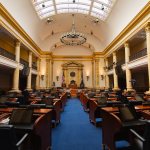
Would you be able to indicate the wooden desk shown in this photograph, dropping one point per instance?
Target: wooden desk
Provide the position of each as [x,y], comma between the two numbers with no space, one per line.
[115,109]
[36,110]
[41,133]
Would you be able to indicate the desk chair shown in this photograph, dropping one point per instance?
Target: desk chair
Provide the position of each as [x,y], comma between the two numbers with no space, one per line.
[8,138]
[141,141]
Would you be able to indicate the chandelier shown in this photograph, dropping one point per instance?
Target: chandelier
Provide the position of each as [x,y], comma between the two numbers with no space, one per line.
[73,38]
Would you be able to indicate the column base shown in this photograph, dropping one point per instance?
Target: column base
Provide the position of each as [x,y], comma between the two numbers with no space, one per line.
[116,89]
[131,90]
[147,92]
[15,91]
[28,89]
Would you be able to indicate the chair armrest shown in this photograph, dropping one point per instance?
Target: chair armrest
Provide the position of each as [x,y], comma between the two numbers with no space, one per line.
[22,140]
[137,135]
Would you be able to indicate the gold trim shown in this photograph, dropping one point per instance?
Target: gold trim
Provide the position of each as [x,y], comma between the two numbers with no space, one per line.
[70,56]
[4,13]
[138,18]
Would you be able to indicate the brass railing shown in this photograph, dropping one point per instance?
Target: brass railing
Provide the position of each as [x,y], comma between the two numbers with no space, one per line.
[139,54]
[7,54]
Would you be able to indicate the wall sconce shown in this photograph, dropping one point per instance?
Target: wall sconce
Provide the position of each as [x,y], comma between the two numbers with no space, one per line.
[102,77]
[57,78]
[42,77]
[87,77]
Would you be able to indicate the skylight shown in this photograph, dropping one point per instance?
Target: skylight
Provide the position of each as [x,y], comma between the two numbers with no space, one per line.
[96,8]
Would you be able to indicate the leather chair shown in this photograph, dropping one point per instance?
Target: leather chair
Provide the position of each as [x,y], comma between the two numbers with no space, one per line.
[8,138]
[141,141]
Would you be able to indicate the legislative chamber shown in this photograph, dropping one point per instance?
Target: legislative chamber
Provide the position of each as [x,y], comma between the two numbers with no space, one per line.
[75,75]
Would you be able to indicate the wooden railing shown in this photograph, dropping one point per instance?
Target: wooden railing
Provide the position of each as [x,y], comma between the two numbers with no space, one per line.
[139,54]
[7,54]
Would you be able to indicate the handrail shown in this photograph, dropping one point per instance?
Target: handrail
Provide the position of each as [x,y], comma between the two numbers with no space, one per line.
[7,54]
[139,54]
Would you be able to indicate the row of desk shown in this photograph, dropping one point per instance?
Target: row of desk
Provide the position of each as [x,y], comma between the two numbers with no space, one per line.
[40,129]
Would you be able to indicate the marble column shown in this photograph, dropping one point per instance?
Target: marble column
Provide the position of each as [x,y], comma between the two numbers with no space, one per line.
[147,30]
[114,73]
[15,87]
[47,74]
[30,74]
[93,74]
[50,75]
[38,75]
[97,73]
[52,80]
[128,71]
[106,74]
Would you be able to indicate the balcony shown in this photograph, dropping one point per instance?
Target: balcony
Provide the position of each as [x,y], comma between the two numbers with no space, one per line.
[7,54]
[23,62]
[110,67]
[139,54]
[34,65]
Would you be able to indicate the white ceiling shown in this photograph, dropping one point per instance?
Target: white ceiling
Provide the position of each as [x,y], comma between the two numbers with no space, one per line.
[99,33]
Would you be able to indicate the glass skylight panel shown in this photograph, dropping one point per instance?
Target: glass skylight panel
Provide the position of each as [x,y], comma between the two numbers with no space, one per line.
[62,6]
[85,7]
[97,8]
[62,11]
[46,10]
[83,11]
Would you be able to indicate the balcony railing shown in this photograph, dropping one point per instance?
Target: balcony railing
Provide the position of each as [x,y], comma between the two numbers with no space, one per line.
[121,62]
[110,67]
[139,54]
[34,65]
[25,63]
[7,54]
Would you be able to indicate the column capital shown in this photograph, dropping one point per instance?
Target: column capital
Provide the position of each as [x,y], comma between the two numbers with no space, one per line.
[18,43]
[30,53]
[126,44]
[147,28]
[114,53]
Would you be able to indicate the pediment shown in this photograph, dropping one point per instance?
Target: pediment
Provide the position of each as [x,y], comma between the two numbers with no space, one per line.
[72,64]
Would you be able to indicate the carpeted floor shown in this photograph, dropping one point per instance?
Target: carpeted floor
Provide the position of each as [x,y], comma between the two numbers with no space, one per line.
[75,132]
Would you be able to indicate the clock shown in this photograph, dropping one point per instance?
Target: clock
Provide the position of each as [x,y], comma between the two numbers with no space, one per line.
[72,74]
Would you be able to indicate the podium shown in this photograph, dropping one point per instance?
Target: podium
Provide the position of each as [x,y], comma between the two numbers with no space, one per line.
[72,86]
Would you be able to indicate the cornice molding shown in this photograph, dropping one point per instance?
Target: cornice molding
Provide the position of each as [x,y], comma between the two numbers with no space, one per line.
[8,17]
[138,18]
[71,56]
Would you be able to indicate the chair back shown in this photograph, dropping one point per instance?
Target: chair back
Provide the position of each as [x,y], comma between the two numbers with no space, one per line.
[21,116]
[7,137]
[127,113]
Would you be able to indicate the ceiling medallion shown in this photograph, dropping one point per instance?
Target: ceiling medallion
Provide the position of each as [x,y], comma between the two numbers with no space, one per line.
[73,38]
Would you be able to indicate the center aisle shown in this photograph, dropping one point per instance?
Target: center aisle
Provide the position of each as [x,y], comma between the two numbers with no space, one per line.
[75,132]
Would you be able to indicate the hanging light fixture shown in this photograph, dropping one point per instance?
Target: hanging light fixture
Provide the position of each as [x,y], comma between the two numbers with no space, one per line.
[73,38]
